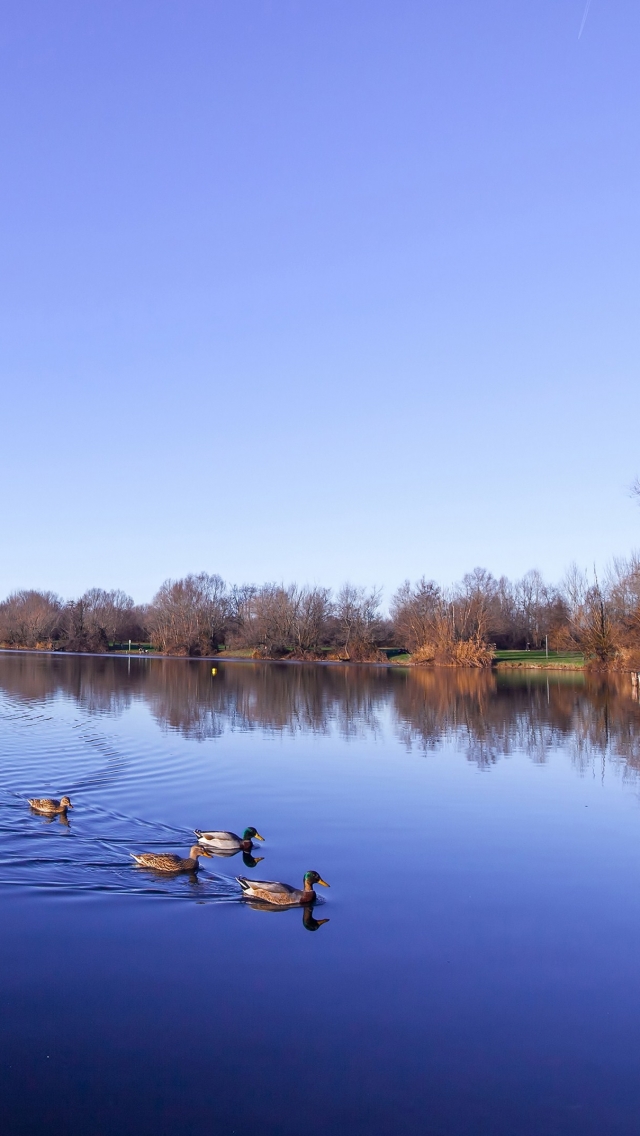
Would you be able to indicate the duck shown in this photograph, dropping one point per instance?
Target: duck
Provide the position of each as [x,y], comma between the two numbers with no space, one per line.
[229,841]
[49,805]
[169,862]
[284,895]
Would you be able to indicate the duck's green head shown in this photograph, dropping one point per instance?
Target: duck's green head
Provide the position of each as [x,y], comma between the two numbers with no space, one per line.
[311,878]
[251,834]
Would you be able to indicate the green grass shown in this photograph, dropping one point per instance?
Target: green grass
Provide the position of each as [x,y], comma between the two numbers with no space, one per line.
[540,659]
[237,653]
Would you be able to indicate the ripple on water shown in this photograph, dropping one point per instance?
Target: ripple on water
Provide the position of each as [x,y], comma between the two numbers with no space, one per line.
[51,755]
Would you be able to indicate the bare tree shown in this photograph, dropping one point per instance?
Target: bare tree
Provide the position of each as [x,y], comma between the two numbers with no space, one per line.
[275,620]
[30,618]
[600,636]
[311,612]
[189,616]
[575,587]
[416,612]
[532,601]
[81,632]
[475,603]
[113,612]
[592,627]
[239,601]
[357,614]
[270,629]
[449,627]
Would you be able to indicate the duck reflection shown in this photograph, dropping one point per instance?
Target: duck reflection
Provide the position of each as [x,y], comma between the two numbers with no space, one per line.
[309,921]
[248,860]
[52,818]
[184,880]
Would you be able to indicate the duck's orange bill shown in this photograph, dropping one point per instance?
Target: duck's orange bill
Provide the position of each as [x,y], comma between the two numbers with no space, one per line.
[258,836]
[324,883]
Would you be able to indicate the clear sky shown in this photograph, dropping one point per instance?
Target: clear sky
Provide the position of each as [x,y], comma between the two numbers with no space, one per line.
[317,290]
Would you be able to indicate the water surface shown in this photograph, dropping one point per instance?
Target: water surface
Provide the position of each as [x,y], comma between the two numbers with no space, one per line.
[479,969]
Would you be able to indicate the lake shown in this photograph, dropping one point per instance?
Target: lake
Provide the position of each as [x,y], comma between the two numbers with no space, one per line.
[479,972]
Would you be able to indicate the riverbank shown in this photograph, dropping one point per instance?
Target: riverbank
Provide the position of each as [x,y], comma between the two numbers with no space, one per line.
[502,660]
[539,660]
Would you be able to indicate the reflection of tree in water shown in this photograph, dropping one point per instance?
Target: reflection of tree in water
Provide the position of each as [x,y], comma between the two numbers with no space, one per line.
[495,716]
[96,684]
[267,696]
[608,724]
[185,696]
[489,715]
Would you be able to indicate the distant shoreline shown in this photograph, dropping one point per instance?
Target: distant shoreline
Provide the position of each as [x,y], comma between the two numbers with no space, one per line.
[496,665]
[198,658]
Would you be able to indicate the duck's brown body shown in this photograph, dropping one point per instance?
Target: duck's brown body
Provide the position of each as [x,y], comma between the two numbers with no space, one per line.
[283,895]
[49,805]
[169,862]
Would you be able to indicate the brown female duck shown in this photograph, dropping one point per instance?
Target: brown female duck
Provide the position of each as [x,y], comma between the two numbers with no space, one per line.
[49,806]
[169,862]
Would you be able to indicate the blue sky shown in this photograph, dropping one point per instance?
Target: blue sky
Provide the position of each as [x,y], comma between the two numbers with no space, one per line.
[317,291]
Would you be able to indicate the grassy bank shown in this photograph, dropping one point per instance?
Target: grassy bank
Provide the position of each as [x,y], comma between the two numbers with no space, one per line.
[538,660]
[502,660]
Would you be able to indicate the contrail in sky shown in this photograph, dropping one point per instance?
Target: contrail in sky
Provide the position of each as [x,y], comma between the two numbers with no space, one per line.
[584,18]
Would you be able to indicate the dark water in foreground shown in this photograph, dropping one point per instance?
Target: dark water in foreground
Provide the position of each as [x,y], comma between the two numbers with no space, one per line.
[480,970]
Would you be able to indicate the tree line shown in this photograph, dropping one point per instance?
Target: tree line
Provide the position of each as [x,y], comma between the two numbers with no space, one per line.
[459,625]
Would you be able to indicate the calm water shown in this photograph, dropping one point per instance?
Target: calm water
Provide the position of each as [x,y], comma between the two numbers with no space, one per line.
[480,970]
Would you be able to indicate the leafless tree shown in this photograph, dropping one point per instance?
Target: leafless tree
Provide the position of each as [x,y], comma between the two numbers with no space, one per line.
[189,616]
[275,620]
[311,611]
[81,631]
[112,612]
[30,618]
[239,600]
[533,607]
[270,629]
[357,615]
[475,605]
[416,612]
[594,626]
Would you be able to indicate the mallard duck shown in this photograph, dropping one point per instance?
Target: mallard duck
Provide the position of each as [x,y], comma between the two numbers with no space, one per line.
[169,862]
[229,841]
[284,895]
[50,806]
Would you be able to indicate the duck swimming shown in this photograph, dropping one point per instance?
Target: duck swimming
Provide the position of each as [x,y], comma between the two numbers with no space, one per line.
[49,805]
[169,862]
[229,841]
[284,895]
